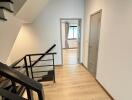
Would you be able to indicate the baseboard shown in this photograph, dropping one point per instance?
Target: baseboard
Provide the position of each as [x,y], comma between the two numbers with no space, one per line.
[59,65]
[105,90]
[84,66]
[99,84]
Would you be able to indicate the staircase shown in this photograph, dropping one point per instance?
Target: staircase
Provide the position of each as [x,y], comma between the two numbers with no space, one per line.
[25,74]
[12,6]
[15,78]
[5,5]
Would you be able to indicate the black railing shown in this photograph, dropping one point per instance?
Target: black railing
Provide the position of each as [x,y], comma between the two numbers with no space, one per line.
[15,78]
[10,95]
[39,67]
[42,55]
[33,64]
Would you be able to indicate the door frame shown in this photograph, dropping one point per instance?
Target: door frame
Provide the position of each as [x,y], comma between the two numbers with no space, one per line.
[80,43]
[99,11]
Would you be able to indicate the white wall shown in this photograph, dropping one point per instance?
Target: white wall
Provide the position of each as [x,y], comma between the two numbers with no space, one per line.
[25,43]
[8,32]
[115,49]
[46,27]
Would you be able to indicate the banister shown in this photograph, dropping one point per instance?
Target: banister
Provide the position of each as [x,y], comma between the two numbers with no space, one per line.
[17,62]
[43,55]
[15,76]
[39,54]
[19,78]
[10,95]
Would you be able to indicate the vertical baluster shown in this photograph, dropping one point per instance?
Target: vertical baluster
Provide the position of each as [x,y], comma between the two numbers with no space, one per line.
[53,67]
[41,95]
[14,87]
[26,66]
[31,67]
[29,94]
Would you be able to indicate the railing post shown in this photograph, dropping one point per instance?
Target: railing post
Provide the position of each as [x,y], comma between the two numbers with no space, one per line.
[41,95]
[53,67]
[14,87]
[29,94]
[31,67]
[26,66]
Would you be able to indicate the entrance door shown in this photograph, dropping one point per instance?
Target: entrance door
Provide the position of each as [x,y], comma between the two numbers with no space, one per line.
[95,23]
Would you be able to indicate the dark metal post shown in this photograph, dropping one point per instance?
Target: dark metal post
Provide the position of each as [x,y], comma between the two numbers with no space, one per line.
[29,94]
[31,67]
[14,87]
[26,66]
[41,95]
[53,67]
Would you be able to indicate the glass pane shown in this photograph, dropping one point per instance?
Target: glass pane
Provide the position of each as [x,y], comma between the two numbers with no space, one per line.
[70,35]
[75,32]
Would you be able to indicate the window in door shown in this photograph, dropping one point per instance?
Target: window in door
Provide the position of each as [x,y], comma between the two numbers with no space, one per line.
[73,32]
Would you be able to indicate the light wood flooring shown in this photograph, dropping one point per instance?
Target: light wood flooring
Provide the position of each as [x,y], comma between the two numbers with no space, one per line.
[70,56]
[73,82]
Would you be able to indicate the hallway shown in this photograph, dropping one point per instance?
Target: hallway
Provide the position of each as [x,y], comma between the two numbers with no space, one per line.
[70,56]
[73,82]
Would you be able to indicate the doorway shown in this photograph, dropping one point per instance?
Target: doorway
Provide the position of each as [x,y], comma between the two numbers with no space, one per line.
[95,25]
[70,40]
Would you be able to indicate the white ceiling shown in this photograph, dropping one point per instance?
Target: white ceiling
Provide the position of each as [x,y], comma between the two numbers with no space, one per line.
[31,10]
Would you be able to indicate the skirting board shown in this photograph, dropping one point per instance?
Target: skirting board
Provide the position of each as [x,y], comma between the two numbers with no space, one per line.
[100,84]
[58,65]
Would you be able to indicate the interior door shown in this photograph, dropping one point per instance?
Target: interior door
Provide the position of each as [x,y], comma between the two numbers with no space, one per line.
[95,23]
[79,39]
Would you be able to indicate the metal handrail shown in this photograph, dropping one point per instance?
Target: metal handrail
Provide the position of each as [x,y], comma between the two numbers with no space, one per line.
[44,55]
[17,77]
[10,95]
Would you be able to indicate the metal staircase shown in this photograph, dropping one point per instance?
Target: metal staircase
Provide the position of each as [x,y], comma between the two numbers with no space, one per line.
[5,5]
[15,77]
[12,6]
[25,74]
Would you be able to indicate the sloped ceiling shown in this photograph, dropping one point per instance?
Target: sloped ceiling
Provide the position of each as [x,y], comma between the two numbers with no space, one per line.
[31,10]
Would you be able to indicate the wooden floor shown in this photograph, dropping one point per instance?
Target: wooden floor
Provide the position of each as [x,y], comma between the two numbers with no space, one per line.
[73,82]
[70,56]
